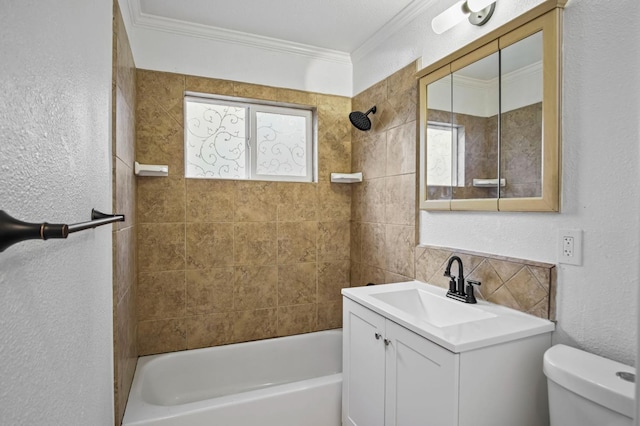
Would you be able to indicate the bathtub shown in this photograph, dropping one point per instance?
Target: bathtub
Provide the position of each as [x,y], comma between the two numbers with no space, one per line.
[286,381]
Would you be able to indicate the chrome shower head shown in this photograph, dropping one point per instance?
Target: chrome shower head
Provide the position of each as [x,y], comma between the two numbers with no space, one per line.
[360,119]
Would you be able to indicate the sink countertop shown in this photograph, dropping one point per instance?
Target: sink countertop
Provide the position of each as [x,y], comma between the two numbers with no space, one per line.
[503,325]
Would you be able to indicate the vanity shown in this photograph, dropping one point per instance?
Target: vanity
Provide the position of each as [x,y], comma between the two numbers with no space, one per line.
[412,356]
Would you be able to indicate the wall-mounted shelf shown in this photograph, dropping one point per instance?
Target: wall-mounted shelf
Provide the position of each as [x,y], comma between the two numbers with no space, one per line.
[489,183]
[346,177]
[151,169]
[13,231]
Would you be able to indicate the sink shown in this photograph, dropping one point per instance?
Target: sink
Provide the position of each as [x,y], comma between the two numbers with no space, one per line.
[431,308]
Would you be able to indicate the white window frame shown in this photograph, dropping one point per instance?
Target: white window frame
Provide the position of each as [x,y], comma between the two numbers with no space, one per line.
[252,107]
[457,146]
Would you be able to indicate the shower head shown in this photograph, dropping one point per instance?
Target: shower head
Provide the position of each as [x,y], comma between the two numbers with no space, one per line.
[360,119]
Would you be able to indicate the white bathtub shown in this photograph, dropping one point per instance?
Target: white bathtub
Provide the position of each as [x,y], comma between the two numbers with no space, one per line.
[288,381]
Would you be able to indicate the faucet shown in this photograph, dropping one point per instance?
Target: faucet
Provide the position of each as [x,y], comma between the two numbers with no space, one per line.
[456,286]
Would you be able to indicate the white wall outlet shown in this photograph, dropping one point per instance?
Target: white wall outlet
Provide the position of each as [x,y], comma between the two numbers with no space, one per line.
[570,246]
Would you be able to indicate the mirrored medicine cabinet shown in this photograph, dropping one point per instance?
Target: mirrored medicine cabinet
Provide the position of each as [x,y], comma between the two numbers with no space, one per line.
[490,120]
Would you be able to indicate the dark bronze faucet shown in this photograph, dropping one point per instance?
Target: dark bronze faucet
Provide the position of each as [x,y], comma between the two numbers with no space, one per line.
[457,289]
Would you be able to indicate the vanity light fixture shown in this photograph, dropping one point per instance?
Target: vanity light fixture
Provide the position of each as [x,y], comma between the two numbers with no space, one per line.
[478,12]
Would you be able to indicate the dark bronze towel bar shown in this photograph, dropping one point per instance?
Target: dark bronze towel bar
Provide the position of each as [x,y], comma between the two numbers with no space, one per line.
[13,231]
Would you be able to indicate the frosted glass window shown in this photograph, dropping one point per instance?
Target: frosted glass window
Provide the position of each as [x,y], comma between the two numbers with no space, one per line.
[215,139]
[241,140]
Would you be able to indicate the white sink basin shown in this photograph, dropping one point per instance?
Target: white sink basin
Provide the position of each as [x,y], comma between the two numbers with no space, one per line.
[430,308]
[454,325]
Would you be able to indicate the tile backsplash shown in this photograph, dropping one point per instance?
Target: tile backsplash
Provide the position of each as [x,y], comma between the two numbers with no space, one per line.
[523,285]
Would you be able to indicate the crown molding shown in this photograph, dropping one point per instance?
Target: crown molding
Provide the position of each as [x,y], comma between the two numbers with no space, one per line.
[190,29]
[402,19]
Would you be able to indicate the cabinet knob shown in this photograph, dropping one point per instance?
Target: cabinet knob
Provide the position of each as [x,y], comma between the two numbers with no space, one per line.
[386,342]
[378,336]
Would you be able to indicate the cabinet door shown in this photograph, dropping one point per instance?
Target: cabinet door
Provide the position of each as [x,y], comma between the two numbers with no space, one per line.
[422,381]
[363,366]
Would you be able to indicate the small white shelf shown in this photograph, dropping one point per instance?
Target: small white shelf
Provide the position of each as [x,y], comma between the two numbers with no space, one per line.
[489,183]
[346,177]
[151,169]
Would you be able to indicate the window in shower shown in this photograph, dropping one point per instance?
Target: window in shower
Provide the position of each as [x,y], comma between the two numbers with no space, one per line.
[227,138]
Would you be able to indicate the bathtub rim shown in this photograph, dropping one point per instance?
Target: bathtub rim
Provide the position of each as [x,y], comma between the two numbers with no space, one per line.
[138,411]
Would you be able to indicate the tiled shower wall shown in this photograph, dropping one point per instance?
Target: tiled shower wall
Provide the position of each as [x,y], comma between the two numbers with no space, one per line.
[384,226]
[231,261]
[124,199]
[383,229]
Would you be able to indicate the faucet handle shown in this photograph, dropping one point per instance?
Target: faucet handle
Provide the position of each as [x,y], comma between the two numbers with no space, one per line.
[470,296]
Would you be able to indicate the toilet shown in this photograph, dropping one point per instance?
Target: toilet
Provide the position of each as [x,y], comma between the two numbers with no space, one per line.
[587,390]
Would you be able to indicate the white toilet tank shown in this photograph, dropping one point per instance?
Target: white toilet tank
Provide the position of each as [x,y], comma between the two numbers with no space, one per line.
[585,389]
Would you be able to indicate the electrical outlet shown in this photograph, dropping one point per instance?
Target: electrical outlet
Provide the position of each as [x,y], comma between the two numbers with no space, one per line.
[570,246]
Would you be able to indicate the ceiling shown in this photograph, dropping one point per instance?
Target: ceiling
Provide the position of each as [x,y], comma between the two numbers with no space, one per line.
[339,25]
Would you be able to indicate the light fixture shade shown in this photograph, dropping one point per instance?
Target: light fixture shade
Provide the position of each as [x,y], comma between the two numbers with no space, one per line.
[450,17]
[478,5]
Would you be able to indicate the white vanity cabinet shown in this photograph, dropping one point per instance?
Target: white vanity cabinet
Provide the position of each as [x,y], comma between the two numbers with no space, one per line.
[393,376]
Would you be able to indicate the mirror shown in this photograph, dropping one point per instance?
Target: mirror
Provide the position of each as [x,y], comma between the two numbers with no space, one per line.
[489,124]
[475,113]
[521,118]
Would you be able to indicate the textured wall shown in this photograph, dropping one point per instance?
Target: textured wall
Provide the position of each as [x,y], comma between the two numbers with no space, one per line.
[124,198]
[55,165]
[231,261]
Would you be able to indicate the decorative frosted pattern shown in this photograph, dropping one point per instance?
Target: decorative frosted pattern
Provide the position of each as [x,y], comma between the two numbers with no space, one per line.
[281,144]
[215,141]
[440,156]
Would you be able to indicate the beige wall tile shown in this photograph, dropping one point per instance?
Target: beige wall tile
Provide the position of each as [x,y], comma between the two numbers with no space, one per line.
[210,200]
[504,268]
[525,289]
[211,86]
[165,89]
[489,278]
[256,202]
[374,155]
[255,287]
[209,330]
[161,247]
[255,91]
[330,315]
[400,200]
[209,290]
[297,201]
[124,192]
[356,274]
[125,127]
[297,97]
[255,243]
[400,245]
[333,157]
[373,200]
[504,297]
[401,149]
[356,242]
[333,241]
[161,200]
[254,325]
[297,242]
[166,335]
[209,245]
[297,284]
[161,295]
[332,278]
[124,262]
[334,201]
[390,277]
[373,245]
[297,319]
[371,274]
